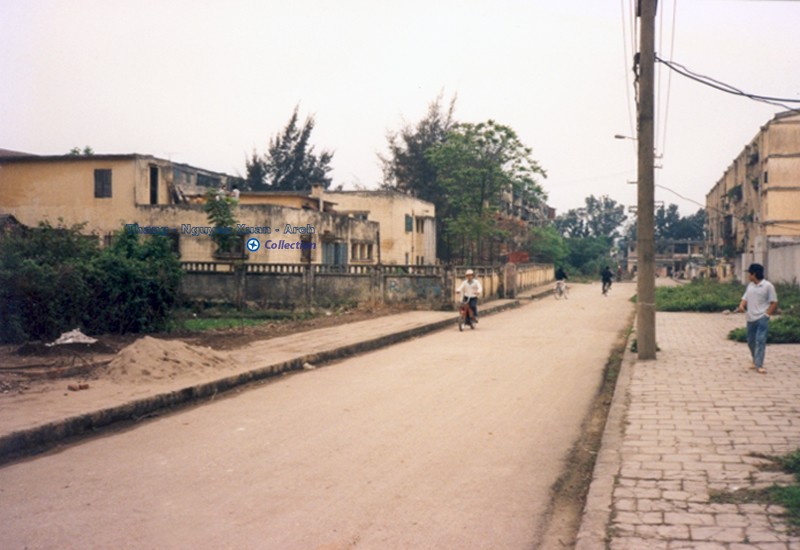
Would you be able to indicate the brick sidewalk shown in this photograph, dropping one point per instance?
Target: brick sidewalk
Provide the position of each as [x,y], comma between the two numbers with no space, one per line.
[685,427]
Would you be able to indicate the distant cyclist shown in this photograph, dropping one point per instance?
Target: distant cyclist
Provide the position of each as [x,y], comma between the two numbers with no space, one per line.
[561,282]
[470,289]
[607,276]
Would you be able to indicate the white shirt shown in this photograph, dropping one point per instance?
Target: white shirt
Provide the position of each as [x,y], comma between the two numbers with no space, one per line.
[758,298]
[471,289]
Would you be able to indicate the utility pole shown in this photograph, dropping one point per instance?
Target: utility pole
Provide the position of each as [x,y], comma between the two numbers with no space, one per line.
[646,279]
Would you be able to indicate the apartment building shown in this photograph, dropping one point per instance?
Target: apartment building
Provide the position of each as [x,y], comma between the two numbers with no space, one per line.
[753,211]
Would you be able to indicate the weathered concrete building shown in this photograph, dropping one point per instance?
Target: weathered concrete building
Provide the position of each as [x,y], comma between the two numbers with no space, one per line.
[754,209]
[407,224]
[151,195]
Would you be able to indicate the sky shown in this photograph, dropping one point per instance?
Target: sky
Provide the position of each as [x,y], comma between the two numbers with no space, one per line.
[207,82]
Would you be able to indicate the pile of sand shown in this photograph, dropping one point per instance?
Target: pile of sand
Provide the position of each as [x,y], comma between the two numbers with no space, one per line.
[149,359]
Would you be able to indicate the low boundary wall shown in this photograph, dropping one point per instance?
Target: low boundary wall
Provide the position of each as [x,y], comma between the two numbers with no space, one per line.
[289,286]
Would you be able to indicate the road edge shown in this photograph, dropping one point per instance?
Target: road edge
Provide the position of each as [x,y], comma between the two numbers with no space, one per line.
[38,439]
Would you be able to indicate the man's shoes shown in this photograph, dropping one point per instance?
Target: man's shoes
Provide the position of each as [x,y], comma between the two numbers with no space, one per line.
[761,370]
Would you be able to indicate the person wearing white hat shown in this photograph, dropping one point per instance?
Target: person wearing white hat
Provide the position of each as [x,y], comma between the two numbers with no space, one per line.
[471,288]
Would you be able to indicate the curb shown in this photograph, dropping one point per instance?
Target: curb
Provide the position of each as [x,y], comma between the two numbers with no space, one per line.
[593,531]
[46,436]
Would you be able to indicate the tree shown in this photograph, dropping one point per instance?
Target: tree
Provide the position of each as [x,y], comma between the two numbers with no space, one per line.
[77,151]
[219,209]
[407,167]
[546,245]
[665,221]
[474,165]
[601,217]
[256,179]
[290,163]
[691,227]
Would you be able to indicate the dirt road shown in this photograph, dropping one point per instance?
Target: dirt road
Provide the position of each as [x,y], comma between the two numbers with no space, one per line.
[452,440]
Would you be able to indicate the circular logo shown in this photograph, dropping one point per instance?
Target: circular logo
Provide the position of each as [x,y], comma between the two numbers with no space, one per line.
[253,245]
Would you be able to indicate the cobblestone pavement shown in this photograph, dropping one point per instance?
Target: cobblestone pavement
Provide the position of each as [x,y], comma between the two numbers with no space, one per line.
[693,422]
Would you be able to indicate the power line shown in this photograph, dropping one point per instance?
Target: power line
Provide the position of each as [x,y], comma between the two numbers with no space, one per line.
[625,55]
[719,211]
[669,77]
[727,88]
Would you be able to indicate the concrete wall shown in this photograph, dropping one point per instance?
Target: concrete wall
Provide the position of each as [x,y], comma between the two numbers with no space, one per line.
[289,286]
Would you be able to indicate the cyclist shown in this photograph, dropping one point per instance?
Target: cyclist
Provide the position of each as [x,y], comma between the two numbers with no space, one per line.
[606,276]
[561,281]
[471,288]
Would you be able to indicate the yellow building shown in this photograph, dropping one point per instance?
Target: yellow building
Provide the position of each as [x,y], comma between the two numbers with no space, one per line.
[407,224]
[151,195]
[754,209]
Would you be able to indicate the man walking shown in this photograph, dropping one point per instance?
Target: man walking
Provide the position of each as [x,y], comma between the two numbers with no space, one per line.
[759,302]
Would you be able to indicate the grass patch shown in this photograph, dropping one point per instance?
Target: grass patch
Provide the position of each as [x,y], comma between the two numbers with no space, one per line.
[204,323]
[786,496]
[222,317]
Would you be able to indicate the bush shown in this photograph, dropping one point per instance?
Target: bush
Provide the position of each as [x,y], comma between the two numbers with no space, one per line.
[782,330]
[699,296]
[53,279]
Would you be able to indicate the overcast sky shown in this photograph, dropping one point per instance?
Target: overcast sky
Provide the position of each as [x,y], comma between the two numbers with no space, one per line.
[205,82]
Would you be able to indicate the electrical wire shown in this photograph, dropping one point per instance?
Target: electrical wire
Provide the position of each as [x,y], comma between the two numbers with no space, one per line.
[722,212]
[625,55]
[669,77]
[727,88]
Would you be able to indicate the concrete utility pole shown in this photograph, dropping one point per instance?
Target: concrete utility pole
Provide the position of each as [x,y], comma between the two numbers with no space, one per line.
[646,285]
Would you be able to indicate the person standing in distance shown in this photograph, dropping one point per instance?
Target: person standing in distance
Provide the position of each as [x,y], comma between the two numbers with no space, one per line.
[471,288]
[759,303]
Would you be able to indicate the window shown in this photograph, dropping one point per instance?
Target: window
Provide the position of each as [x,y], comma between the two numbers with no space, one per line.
[153,184]
[420,225]
[409,224]
[102,183]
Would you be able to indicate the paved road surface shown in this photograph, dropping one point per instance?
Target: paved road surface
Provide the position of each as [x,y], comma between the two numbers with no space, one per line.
[451,440]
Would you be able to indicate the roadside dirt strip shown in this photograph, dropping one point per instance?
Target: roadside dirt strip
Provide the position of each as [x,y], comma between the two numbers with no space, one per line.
[39,420]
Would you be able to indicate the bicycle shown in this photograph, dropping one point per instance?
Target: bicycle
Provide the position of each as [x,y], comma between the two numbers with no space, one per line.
[465,315]
[561,290]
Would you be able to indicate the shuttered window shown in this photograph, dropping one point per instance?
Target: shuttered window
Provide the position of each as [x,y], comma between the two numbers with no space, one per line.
[102,183]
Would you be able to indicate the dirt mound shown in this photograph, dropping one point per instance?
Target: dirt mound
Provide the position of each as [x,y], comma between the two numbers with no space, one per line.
[149,359]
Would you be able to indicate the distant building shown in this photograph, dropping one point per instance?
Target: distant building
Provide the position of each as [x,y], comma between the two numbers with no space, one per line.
[753,211]
[679,258]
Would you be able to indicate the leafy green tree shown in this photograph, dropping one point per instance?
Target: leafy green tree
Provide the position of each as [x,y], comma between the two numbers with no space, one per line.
[546,245]
[665,220]
[408,169]
[588,255]
[474,165]
[219,209]
[77,151]
[601,217]
[691,227]
[290,163]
